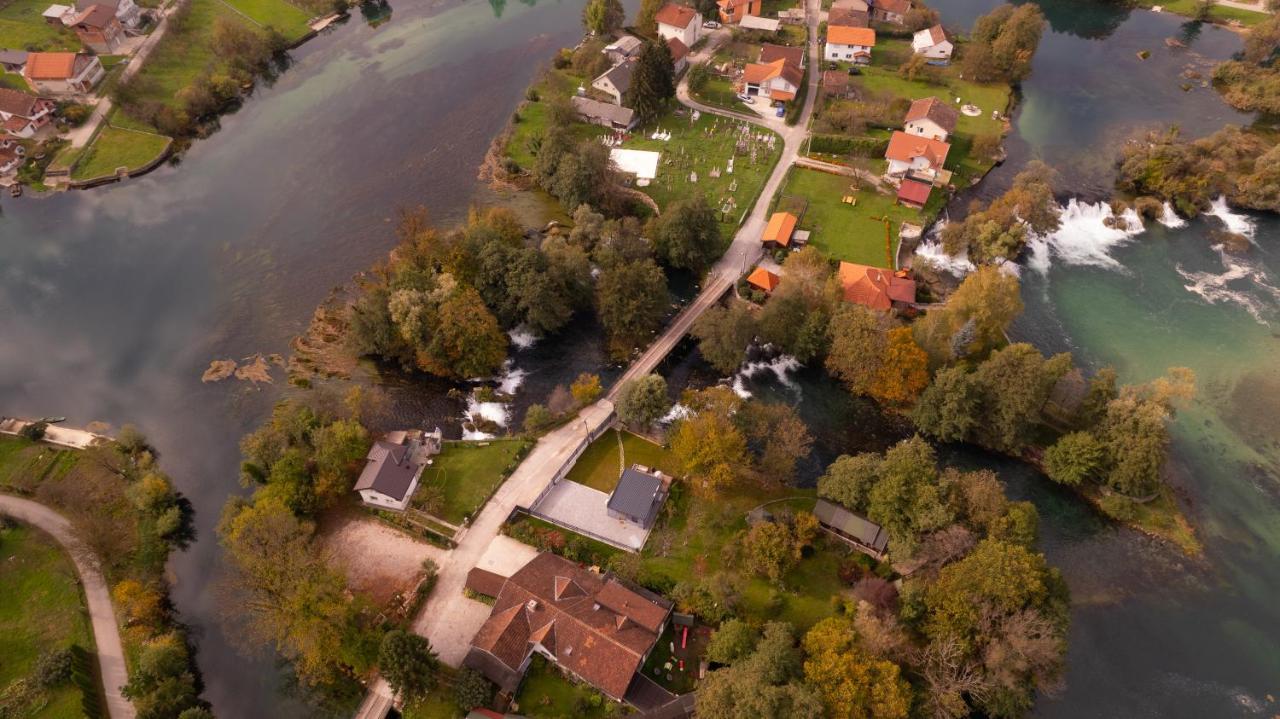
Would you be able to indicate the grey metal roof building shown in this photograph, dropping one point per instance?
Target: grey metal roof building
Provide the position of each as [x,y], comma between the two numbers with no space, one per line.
[637,497]
[388,470]
[850,526]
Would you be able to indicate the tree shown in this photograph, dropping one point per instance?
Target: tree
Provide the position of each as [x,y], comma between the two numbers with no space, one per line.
[904,371]
[1016,382]
[852,683]
[734,640]
[537,418]
[796,317]
[770,549]
[642,401]
[340,450]
[1073,458]
[604,17]
[849,479]
[468,342]
[948,409]
[687,234]
[906,499]
[1002,44]
[997,577]
[652,81]
[989,298]
[779,438]
[858,342]
[471,690]
[646,19]
[631,299]
[724,335]
[407,662]
[764,684]
[711,450]
[1134,435]
[1000,230]
[586,389]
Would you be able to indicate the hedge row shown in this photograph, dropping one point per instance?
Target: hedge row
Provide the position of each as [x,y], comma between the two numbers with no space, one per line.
[843,145]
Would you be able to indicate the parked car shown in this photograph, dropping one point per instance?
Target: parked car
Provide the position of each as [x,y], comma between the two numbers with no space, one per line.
[833,66]
[747,99]
[854,71]
[782,111]
[711,25]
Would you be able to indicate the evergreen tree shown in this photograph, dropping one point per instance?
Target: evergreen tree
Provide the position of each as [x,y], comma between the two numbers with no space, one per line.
[653,80]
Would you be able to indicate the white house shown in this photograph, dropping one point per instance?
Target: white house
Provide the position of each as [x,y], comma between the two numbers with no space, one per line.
[12,155]
[849,44]
[62,73]
[21,115]
[778,80]
[912,153]
[931,118]
[394,467]
[933,44]
[615,81]
[679,22]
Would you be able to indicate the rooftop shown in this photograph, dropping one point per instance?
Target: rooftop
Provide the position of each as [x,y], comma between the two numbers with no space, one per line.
[905,147]
[849,35]
[676,15]
[764,279]
[781,226]
[388,470]
[638,494]
[863,530]
[875,287]
[932,108]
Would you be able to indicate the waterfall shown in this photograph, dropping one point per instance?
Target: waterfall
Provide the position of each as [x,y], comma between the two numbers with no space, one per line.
[1235,222]
[1086,236]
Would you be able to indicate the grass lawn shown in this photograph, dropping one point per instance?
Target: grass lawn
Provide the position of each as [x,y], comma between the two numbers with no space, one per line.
[184,52]
[701,147]
[847,232]
[41,609]
[546,693]
[535,116]
[599,466]
[13,81]
[116,147]
[718,92]
[23,28]
[438,704]
[1219,13]
[468,473]
[288,19]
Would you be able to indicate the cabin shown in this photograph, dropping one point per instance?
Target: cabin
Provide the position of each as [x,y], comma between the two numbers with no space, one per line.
[639,495]
[849,44]
[932,118]
[779,231]
[13,61]
[393,468]
[679,22]
[913,193]
[859,532]
[624,48]
[763,280]
[614,117]
[591,625]
[933,44]
[850,13]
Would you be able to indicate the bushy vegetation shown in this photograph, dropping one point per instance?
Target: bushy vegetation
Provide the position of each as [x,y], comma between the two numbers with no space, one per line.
[1000,230]
[1002,44]
[1239,164]
[1252,83]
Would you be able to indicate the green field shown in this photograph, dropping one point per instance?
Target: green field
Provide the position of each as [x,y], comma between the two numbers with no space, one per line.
[113,148]
[700,147]
[547,694]
[41,609]
[288,19]
[847,232]
[13,81]
[467,474]
[1218,13]
[536,115]
[599,466]
[23,28]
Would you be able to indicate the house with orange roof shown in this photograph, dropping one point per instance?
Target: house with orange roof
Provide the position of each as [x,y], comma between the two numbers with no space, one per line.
[679,22]
[782,225]
[846,43]
[732,11]
[763,280]
[778,80]
[875,287]
[62,73]
[912,153]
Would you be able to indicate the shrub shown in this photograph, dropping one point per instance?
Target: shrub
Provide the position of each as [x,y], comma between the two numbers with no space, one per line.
[53,668]
[842,145]
[34,431]
[1118,507]
[532,94]
[471,690]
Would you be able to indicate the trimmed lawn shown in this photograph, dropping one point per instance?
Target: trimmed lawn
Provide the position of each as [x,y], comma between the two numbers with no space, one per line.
[23,28]
[1218,13]
[114,148]
[469,472]
[41,609]
[13,81]
[600,465]
[288,19]
[701,147]
[184,52]
[546,693]
[847,232]
[718,92]
[437,705]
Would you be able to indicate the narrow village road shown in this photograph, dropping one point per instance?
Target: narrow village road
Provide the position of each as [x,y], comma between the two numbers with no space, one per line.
[449,620]
[106,633]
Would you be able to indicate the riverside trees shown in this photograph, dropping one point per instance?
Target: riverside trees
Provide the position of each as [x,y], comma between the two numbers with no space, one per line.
[1002,44]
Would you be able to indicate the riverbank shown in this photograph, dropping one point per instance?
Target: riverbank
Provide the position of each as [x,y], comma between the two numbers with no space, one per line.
[120,519]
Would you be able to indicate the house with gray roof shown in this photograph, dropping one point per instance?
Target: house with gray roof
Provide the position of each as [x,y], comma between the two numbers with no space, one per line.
[604,114]
[13,60]
[865,535]
[638,496]
[615,81]
[394,467]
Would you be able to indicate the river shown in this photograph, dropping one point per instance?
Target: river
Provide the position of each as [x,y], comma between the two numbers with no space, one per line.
[112,302]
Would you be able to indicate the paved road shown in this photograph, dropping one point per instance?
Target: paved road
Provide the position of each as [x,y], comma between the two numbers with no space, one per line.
[106,633]
[449,619]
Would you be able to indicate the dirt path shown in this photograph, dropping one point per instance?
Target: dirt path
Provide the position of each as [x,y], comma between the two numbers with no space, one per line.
[106,633]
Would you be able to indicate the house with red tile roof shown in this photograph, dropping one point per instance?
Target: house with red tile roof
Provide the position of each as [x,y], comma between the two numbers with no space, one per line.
[912,153]
[590,625]
[791,54]
[679,22]
[850,13]
[777,81]
[22,115]
[62,73]
[732,11]
[874,287]
[849,44]
[914,193]
[932,118]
